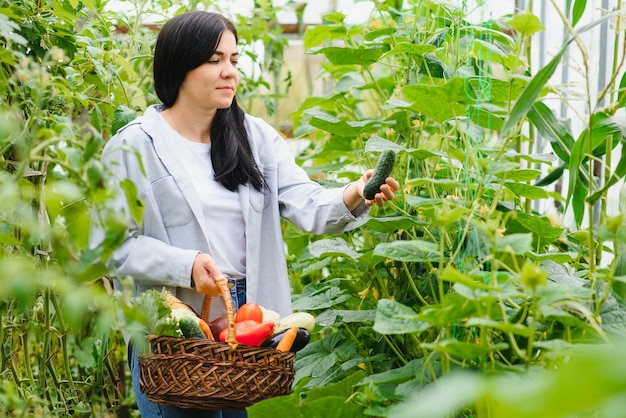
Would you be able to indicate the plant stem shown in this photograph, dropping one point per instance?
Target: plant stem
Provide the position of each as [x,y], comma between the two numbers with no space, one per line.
[63,337]
[412,284]
[395,349]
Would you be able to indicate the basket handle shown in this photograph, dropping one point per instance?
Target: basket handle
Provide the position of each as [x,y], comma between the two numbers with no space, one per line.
[222,283]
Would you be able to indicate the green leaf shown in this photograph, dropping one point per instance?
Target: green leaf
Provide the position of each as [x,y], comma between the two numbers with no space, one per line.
[621,95]
[317,35]
[395,318]
[522,174]
[452,309]
[334,17]
[390,224]
[135,204]
[398,375]
[121,117]
[578,201]
[440,102]
[332,246]
[410,251]
[555,130]
[526,23]
[340,127]
[452,275]
[378,144]
[9,30]
[552,176]
[331,316]
[463,350]
[514,243]
[326,298]
[517,329]
[350,56]
[445,398]
[526,190]
[432,66]
[408,48]
[578,10]
[617,175]
[613,314]
[539,226]
[556,257]
[328,401]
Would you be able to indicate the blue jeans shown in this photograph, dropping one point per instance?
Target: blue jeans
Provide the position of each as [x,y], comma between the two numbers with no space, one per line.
[149,409]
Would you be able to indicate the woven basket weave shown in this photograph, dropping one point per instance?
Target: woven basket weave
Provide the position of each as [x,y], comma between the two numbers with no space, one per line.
[205,374]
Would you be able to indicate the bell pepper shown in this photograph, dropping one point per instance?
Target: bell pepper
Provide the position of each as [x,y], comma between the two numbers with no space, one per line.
[250,332]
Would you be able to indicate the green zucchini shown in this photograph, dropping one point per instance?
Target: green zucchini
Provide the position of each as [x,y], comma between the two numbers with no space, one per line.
[382,170]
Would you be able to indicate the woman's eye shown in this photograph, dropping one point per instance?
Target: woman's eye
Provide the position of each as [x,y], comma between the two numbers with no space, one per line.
[234,62]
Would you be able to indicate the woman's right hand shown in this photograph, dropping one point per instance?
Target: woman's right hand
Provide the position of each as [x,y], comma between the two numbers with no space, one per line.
[204,273]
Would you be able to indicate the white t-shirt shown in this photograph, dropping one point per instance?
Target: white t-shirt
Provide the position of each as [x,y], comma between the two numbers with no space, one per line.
[221,207]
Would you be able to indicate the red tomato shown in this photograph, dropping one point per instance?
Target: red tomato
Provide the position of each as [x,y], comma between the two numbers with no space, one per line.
[249,332]
[249,312]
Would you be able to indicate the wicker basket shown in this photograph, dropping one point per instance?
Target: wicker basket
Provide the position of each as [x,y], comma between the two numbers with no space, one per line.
[205,374]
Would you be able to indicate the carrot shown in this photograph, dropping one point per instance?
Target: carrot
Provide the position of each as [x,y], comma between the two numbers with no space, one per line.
[206,329]
[287,341]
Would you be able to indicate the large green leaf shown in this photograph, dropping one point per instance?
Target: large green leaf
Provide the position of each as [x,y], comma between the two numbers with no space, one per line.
[350,56]
[325,298]
[390,224]
[553,129]
[526,23]
[330,316]
[319,34]
[341,127]
[441,101]
[410,251]
[526,190]
[332,246]
[514,243]
[395,318]
[401,374]
[408,48]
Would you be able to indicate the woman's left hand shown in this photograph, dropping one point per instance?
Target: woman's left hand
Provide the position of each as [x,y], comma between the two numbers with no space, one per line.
[387,190]
[353,194]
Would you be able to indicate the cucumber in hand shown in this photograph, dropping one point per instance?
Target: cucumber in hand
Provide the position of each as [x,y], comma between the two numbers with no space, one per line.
[382,170]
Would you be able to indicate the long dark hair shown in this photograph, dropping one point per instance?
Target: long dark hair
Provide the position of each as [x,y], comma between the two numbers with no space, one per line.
[185,42]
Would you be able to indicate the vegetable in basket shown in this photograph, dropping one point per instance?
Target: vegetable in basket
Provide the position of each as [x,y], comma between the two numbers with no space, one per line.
[250,332]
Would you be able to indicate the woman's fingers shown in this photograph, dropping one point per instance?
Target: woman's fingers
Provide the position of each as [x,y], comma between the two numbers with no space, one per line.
[204,272]
[387,191]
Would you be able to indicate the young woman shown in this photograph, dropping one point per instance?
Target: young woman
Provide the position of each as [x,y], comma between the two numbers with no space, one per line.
[215,183]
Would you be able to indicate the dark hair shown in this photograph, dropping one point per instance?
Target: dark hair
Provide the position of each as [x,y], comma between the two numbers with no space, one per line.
[185,42]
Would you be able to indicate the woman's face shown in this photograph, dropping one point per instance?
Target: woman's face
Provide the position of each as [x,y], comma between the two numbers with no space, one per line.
[213,84]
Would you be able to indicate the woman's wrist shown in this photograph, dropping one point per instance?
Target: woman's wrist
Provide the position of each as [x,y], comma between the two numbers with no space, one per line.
[351,197]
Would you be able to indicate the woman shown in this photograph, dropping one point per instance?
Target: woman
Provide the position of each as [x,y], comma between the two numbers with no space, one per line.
[214,183]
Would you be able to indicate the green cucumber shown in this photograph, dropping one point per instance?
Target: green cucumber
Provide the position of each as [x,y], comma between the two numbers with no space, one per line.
[190,328]
[382,170]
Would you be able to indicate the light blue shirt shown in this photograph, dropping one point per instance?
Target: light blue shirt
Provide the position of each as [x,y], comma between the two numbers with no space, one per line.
[160,251]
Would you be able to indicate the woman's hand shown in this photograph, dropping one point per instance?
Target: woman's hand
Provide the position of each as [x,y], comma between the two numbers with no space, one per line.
[353,194]
[204,273]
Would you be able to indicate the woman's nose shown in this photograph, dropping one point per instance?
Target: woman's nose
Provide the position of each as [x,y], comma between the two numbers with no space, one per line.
[230,70]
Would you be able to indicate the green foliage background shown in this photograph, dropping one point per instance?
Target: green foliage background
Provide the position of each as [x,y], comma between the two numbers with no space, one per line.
[447,301]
